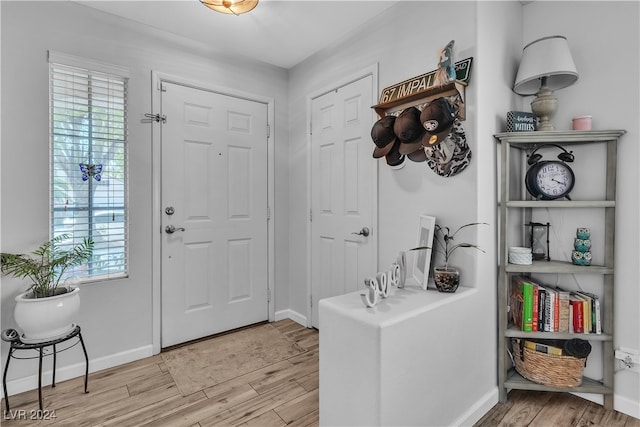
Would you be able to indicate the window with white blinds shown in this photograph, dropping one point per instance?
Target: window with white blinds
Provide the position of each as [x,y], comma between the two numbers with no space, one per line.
[88,118]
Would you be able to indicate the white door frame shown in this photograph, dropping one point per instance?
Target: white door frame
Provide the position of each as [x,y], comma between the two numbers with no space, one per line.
[157,78]
[371,70]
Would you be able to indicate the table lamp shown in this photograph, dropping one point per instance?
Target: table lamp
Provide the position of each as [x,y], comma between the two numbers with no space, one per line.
[546,66]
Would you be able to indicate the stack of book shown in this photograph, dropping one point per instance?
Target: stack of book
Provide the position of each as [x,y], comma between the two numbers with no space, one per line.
[536,307]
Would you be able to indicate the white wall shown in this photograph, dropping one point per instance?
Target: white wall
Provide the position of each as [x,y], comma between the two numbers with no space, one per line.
[404,41]
[116,316]
[404,46]
[605,44]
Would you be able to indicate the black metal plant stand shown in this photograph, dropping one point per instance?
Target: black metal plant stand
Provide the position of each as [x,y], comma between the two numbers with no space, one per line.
[16,344]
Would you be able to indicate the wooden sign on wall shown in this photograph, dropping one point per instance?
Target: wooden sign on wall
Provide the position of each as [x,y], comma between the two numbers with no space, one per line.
[422,83]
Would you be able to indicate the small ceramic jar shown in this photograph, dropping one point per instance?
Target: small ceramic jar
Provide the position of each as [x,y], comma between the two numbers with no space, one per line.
[581,123]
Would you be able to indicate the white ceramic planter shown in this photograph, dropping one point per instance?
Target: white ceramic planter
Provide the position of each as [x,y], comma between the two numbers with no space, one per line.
[43,319]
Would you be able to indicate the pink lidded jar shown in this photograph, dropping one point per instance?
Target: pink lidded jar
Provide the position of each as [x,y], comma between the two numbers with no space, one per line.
[581,123]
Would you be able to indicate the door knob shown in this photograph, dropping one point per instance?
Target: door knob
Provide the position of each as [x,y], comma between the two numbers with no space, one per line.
[170,229]
[364,232]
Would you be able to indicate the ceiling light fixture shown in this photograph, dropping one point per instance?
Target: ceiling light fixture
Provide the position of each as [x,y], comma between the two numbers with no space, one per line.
[234,7]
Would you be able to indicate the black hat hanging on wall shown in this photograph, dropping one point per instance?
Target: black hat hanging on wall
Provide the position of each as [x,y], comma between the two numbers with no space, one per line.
[383,136]
[409,130]
[387,144]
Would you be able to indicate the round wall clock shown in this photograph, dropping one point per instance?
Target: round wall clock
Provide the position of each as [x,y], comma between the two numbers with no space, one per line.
[550,179]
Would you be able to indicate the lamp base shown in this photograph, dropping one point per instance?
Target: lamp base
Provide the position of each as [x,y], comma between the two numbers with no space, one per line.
[544,107]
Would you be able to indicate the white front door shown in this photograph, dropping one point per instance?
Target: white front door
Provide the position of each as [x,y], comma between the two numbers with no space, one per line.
[214,193]
[343,191]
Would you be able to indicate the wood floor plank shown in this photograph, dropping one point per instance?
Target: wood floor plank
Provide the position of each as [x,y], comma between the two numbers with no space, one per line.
[63,407]
[632,422]
[154,411]
[594,415]
[276,378]
[114,377]
[251,408]
[150,383]
[104,411]
[307,338]
[267,374]
[286,325]
[236,395]
[559,410]
[614,419]
[75,385]
[523,414]
[562,409]
[308,357]
[298,407]
[312,419]
[310,382]
[268,419]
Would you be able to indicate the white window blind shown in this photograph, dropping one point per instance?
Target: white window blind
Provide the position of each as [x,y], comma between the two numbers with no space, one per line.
[88,118]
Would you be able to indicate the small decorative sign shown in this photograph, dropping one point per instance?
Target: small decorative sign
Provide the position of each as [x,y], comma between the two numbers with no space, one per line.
[422,83]
[520,121]
[380,287]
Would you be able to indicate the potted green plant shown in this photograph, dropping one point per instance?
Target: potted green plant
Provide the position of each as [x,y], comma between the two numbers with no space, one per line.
[47,309]
[446,277]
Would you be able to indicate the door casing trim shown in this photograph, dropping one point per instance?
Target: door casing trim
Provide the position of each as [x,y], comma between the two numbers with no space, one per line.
[371,70]
[157,78]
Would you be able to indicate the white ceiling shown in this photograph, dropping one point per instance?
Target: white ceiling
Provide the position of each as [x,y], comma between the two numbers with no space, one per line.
[278,32]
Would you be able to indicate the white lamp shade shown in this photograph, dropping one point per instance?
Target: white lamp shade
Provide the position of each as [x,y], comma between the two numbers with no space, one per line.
[546,57]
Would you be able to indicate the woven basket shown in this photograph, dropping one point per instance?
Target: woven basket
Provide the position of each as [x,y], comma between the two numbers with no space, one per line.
[548,369]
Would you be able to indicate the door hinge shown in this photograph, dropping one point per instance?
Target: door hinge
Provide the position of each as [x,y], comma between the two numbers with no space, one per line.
[268,295]
[310,128]
[162,87]
[268,213]
[268,130]
[310,215]
[311,301]
[154,118]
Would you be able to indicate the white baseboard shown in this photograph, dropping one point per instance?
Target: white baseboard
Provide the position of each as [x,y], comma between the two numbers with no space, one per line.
[64,373]
[478,409]
[626,406]
[293,315]
[620,404]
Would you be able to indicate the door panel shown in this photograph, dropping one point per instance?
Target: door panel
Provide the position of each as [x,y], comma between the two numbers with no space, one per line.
[214,175]
[343,186]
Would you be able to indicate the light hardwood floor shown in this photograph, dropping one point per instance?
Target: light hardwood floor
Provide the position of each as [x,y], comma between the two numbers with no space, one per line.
[143,393]
[545,409]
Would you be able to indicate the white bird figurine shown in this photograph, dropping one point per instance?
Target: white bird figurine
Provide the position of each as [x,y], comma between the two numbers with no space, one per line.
[446,71]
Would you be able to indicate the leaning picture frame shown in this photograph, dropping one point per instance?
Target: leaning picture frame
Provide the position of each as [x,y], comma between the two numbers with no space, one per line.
[422,258]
